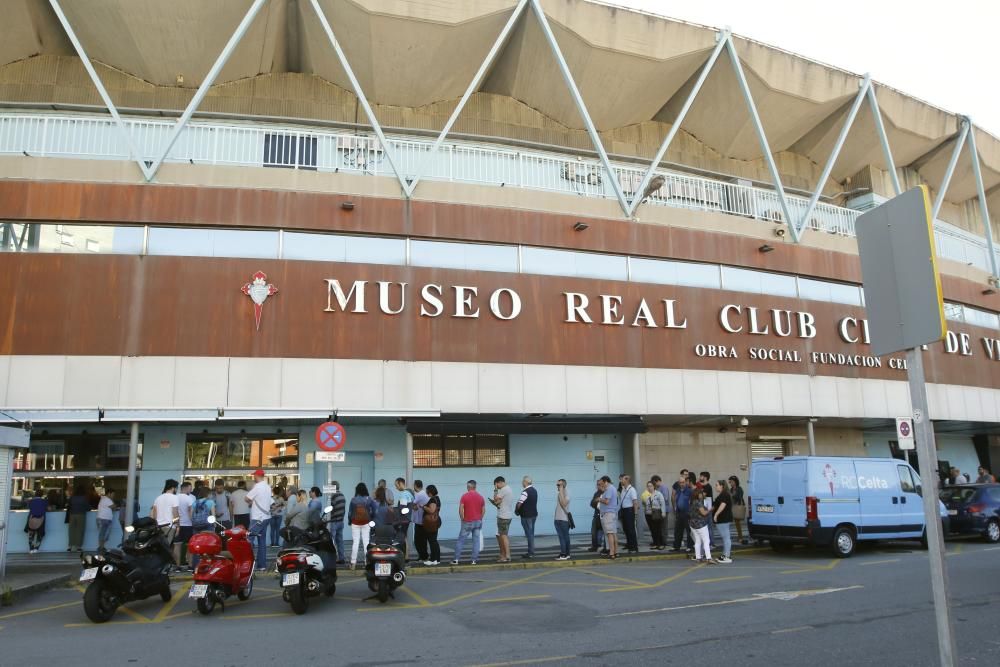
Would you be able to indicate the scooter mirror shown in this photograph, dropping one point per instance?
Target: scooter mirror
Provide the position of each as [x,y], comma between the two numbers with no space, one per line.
[211,520]
[327,509]
[371,524]
[405,510]
[129,529]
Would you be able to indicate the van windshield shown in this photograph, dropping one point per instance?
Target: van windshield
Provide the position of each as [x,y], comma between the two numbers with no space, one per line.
[958,495]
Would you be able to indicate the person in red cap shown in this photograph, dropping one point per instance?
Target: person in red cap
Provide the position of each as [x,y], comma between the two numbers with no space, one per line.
[259,499]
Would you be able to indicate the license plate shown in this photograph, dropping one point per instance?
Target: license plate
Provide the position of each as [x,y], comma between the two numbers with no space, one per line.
[383,569]
[952,512]
[88,574]
[765,509]
[290,579]
[198,591]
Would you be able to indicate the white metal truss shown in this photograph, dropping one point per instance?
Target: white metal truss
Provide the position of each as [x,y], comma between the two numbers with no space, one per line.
[149,170]
[721,39]
[473,87]
[356,85]
[581,107]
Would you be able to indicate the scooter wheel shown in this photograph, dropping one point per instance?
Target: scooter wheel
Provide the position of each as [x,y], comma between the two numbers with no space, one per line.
[297,598]
[383,591]
[98,602]
[246,591]
[206,604]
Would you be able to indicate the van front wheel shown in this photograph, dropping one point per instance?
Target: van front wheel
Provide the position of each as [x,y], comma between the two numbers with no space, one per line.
[843,542]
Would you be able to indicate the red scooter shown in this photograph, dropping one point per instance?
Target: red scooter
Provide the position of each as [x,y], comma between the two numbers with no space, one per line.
[226,566]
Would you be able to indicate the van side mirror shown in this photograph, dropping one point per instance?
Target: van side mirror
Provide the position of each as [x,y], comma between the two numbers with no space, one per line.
[919,490]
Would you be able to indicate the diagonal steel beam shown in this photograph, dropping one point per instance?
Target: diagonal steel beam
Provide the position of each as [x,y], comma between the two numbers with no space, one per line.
[883,139]
[946,181]
[199,95]
[581,107]
[356,86]
[721,40]
[473,87]
[101,90]
[761,137]
[863,88]
[983,210]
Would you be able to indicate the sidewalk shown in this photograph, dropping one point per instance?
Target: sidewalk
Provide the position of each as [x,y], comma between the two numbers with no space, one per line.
[26,575]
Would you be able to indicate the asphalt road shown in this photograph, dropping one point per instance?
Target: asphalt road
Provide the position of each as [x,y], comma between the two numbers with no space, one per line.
[802,608]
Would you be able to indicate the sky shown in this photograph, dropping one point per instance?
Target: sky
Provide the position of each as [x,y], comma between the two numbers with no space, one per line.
[943,52]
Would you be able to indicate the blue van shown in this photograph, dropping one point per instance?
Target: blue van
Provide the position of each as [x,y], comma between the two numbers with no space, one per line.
[833,501]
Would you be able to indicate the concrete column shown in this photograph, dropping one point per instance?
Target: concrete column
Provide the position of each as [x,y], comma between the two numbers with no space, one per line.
[637,480]
[409,458]
[812,436]
[133,455]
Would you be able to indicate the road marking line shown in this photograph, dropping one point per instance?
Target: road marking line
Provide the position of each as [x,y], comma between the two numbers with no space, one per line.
[283,614]
[816,568]
[520,597]
[712,581]
[464,596]
[228,604]
[424,602]
[532,661]
[797,629]
[959,547]
[40,609]
[625,580]
[881,562]
[991,549]
[169,606]
[781,595]
[659,583]
[134,614]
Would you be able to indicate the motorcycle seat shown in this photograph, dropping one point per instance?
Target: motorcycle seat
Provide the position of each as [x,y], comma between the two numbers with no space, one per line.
[226,554]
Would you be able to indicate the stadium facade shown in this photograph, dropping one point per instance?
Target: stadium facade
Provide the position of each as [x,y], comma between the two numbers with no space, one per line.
[226,223]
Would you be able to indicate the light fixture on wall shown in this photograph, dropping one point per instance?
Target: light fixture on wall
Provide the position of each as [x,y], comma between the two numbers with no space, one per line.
[347,206]
[765,248]
[779,231]
[580,226]
[744,422]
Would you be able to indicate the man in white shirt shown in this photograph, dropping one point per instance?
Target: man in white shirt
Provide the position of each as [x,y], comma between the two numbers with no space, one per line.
[259,500]
[628,501]
[165,506]
[184,502]
[105,516]
[238,505]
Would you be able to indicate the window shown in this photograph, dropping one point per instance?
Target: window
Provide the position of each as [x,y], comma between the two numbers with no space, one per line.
[906,484]
[461,451]
[757,282]
[240,452]
[213,242]
[470,256]
[93,246]
[568,263]
[289,150]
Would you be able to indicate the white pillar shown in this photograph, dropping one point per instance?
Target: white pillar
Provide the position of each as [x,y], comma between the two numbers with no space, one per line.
[409,458]
[133,455]
[812,436]
[636,463]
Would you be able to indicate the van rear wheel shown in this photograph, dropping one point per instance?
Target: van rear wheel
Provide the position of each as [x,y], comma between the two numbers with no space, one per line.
[843,542]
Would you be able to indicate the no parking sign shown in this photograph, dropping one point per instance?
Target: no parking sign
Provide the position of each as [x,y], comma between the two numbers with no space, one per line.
[904,432]
[331,437]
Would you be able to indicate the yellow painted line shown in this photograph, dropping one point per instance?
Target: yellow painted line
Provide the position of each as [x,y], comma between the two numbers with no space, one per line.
[134,614]
[712,581]
[532,661]
[796,629]
[659,583]
[959,547]
[284,614]
[464,596]
[417,596]
[41,609]
[815,568]
[228,604]
[624,580]
[515,599]
[179,595]
[101,625]
[881,562]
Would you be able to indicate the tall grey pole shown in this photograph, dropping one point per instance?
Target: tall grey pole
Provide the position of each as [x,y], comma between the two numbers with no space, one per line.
[636,460]
[811,432]
[923,433]
[133,457]
[409,458]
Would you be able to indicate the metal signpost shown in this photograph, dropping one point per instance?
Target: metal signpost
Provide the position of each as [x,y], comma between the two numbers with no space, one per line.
[12,438]
[330,439]
[905,310]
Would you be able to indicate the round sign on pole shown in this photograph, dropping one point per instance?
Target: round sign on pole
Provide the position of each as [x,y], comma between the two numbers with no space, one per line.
[331,437]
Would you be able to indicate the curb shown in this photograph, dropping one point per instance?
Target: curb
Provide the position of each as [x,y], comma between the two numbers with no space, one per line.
[54,582]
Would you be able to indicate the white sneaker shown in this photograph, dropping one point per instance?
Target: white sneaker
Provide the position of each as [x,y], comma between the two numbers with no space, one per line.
[725,560]
[430,562]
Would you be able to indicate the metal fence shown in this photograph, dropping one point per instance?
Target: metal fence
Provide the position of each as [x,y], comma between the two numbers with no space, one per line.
[96,137]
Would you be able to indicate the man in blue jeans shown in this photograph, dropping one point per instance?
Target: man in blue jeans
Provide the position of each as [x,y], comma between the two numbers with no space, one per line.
[471,508]
[527,509]
[339,504]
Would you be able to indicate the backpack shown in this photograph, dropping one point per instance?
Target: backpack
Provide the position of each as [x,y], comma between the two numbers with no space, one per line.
[199,516]
[361,514]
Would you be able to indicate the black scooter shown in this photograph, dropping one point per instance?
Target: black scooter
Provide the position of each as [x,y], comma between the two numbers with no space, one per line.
[307,565]
[385,565]
[135,572]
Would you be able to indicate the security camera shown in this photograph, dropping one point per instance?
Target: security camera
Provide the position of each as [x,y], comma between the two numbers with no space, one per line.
[26,426]
[744,422]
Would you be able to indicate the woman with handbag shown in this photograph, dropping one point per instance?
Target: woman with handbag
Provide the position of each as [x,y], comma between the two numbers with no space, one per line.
[35,526]
[562,519]
[739,507]
[655,507]
[431,524]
